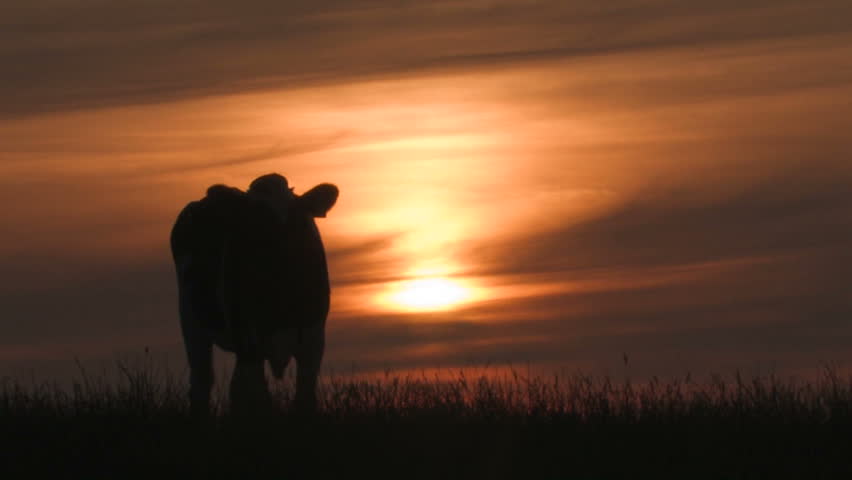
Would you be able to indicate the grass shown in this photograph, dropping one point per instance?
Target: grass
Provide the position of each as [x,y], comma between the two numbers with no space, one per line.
[135,423]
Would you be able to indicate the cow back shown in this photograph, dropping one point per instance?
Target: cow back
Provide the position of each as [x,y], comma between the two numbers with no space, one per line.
[198,241]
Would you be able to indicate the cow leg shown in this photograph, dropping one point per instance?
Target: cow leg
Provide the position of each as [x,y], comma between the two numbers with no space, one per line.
[249,391]
[279,349]
[199,352]
[309,352]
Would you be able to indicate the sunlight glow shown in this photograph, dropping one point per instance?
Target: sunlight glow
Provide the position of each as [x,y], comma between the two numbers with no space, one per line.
[433,293]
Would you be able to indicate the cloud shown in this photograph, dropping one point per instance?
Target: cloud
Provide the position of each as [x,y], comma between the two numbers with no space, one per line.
[276,151]
[58,301]
[719,320]
[364,262]
[97,54]
[794,210]
[687,273]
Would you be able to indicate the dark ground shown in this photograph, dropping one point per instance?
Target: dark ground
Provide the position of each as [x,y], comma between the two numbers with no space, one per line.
[408,428]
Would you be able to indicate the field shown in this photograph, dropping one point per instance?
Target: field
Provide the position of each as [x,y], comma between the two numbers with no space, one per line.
[137,425]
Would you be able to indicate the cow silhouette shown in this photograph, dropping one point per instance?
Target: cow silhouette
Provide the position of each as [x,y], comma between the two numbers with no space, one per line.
[253,280]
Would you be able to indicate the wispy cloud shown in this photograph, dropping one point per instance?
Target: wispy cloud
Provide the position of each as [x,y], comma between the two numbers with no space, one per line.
[83,55]
[281,150]
[790,211]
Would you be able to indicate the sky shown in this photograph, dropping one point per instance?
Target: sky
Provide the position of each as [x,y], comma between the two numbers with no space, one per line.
[574,181]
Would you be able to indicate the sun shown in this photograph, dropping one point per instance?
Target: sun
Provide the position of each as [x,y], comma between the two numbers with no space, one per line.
[435,293]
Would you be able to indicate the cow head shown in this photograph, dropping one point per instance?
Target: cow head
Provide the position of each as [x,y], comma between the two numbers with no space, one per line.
[274,190]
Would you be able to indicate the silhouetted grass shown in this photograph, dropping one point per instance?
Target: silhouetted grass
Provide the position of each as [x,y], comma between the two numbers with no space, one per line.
[501,426]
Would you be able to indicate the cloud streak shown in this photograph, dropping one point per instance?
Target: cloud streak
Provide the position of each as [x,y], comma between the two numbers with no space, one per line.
[792,211]
[98,54]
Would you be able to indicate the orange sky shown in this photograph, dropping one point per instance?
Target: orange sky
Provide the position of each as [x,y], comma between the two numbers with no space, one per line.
[646,177]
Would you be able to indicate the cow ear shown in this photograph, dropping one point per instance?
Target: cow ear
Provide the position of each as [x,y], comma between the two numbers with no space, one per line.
[319,200]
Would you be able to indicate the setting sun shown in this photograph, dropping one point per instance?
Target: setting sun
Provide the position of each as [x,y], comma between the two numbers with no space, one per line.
[429,293]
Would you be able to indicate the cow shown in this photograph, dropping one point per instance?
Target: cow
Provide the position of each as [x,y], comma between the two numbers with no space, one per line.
[253,279]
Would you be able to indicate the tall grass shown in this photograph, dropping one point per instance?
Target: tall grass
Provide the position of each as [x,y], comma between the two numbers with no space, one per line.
[143,390]
[583,398]
[504,425]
